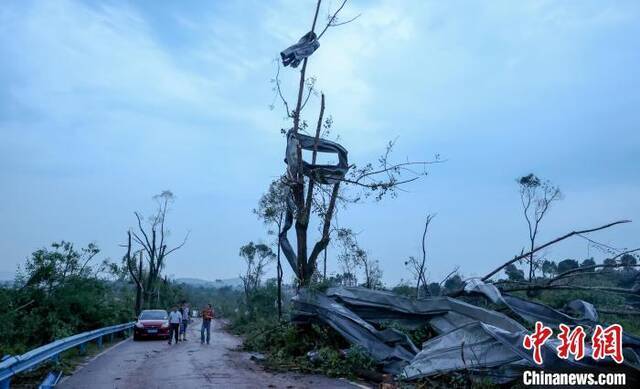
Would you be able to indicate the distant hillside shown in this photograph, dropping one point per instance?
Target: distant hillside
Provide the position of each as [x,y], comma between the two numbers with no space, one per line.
[232,282]
[7,276]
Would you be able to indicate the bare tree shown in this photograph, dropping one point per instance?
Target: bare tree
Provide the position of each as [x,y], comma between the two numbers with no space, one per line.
[353,257]
[536,196]
[421,273]
[372,271]
[271,209]
[381,179]
[415,267]
[153,241]
[256,258]
[136,272]
[347,257]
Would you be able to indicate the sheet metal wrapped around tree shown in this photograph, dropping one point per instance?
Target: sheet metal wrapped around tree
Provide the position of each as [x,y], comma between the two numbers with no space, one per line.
[484,343]
[295,54]
[323,174]
[320,173]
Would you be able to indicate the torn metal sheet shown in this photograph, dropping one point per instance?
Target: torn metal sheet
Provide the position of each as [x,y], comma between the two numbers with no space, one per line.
[583,310]
[531,312]
[483,344]
[442,313]
[388,348]
[489,351]
[466,348]
[321,173]
[296,53]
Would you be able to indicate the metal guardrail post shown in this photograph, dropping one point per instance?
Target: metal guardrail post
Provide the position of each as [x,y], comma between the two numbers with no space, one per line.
[50,381]
[99,342]
[83,348]
[6,383]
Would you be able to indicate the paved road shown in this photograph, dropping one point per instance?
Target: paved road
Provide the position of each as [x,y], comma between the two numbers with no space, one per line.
[154,364]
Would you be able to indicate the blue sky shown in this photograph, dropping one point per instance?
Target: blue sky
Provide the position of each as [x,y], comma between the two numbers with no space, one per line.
[104,104]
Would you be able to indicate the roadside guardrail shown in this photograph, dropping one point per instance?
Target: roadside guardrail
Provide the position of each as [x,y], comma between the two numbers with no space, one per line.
[12,365]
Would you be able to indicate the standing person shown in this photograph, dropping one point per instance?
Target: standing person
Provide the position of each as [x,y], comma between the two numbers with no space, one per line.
[207,316]
[175,318]
[185,320]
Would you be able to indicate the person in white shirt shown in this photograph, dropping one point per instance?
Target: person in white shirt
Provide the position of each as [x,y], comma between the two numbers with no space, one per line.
[175,319]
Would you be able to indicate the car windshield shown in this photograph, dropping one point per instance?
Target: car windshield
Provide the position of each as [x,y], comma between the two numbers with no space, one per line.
[153,315]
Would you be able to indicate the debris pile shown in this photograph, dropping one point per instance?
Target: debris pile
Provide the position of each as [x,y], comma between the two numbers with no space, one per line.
[482,343]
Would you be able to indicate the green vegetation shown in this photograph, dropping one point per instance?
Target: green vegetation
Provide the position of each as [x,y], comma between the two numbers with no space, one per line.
[58,293]
[319,349]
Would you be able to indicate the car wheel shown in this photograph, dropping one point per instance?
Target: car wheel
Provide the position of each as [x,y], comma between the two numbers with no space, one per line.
[136,338]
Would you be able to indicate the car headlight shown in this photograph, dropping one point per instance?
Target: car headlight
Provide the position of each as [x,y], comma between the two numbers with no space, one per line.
[139,325]
[165,324]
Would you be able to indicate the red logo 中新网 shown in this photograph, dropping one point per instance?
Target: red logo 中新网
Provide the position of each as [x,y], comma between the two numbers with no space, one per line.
[605,342]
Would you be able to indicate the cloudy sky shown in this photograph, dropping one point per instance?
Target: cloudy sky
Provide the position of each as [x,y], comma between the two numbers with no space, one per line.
[104,104]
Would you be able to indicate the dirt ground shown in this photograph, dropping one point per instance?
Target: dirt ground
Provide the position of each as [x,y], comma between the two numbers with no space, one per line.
[155,364]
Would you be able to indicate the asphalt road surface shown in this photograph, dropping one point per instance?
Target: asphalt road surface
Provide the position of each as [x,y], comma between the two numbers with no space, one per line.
[155,364]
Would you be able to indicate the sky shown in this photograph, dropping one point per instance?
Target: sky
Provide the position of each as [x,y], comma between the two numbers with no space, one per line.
[105,104]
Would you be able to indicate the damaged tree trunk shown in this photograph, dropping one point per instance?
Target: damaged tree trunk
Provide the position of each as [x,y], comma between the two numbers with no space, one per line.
[302,211]
[304,179]
[421,270]
[279,270]
[136,276]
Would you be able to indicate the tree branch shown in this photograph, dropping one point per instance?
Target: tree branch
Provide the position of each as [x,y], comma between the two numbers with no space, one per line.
[563,237]
[574,287]
[333,17]
[177,247]
[146,238]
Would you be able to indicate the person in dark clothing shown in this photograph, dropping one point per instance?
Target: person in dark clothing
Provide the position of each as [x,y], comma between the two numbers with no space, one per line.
[207,316]
[185,320]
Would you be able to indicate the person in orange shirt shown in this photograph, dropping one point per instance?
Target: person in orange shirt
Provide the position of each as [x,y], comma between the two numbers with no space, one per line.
[207,316]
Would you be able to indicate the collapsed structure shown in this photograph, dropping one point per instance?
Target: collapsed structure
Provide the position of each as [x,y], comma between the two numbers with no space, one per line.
[481,342]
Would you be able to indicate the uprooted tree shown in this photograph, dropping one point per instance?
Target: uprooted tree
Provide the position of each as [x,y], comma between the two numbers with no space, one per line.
[308,182]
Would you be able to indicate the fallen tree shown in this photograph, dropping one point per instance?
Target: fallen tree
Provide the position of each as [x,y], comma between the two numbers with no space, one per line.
[549,243]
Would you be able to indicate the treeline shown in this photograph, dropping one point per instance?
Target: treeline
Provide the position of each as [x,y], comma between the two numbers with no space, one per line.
[59,291]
